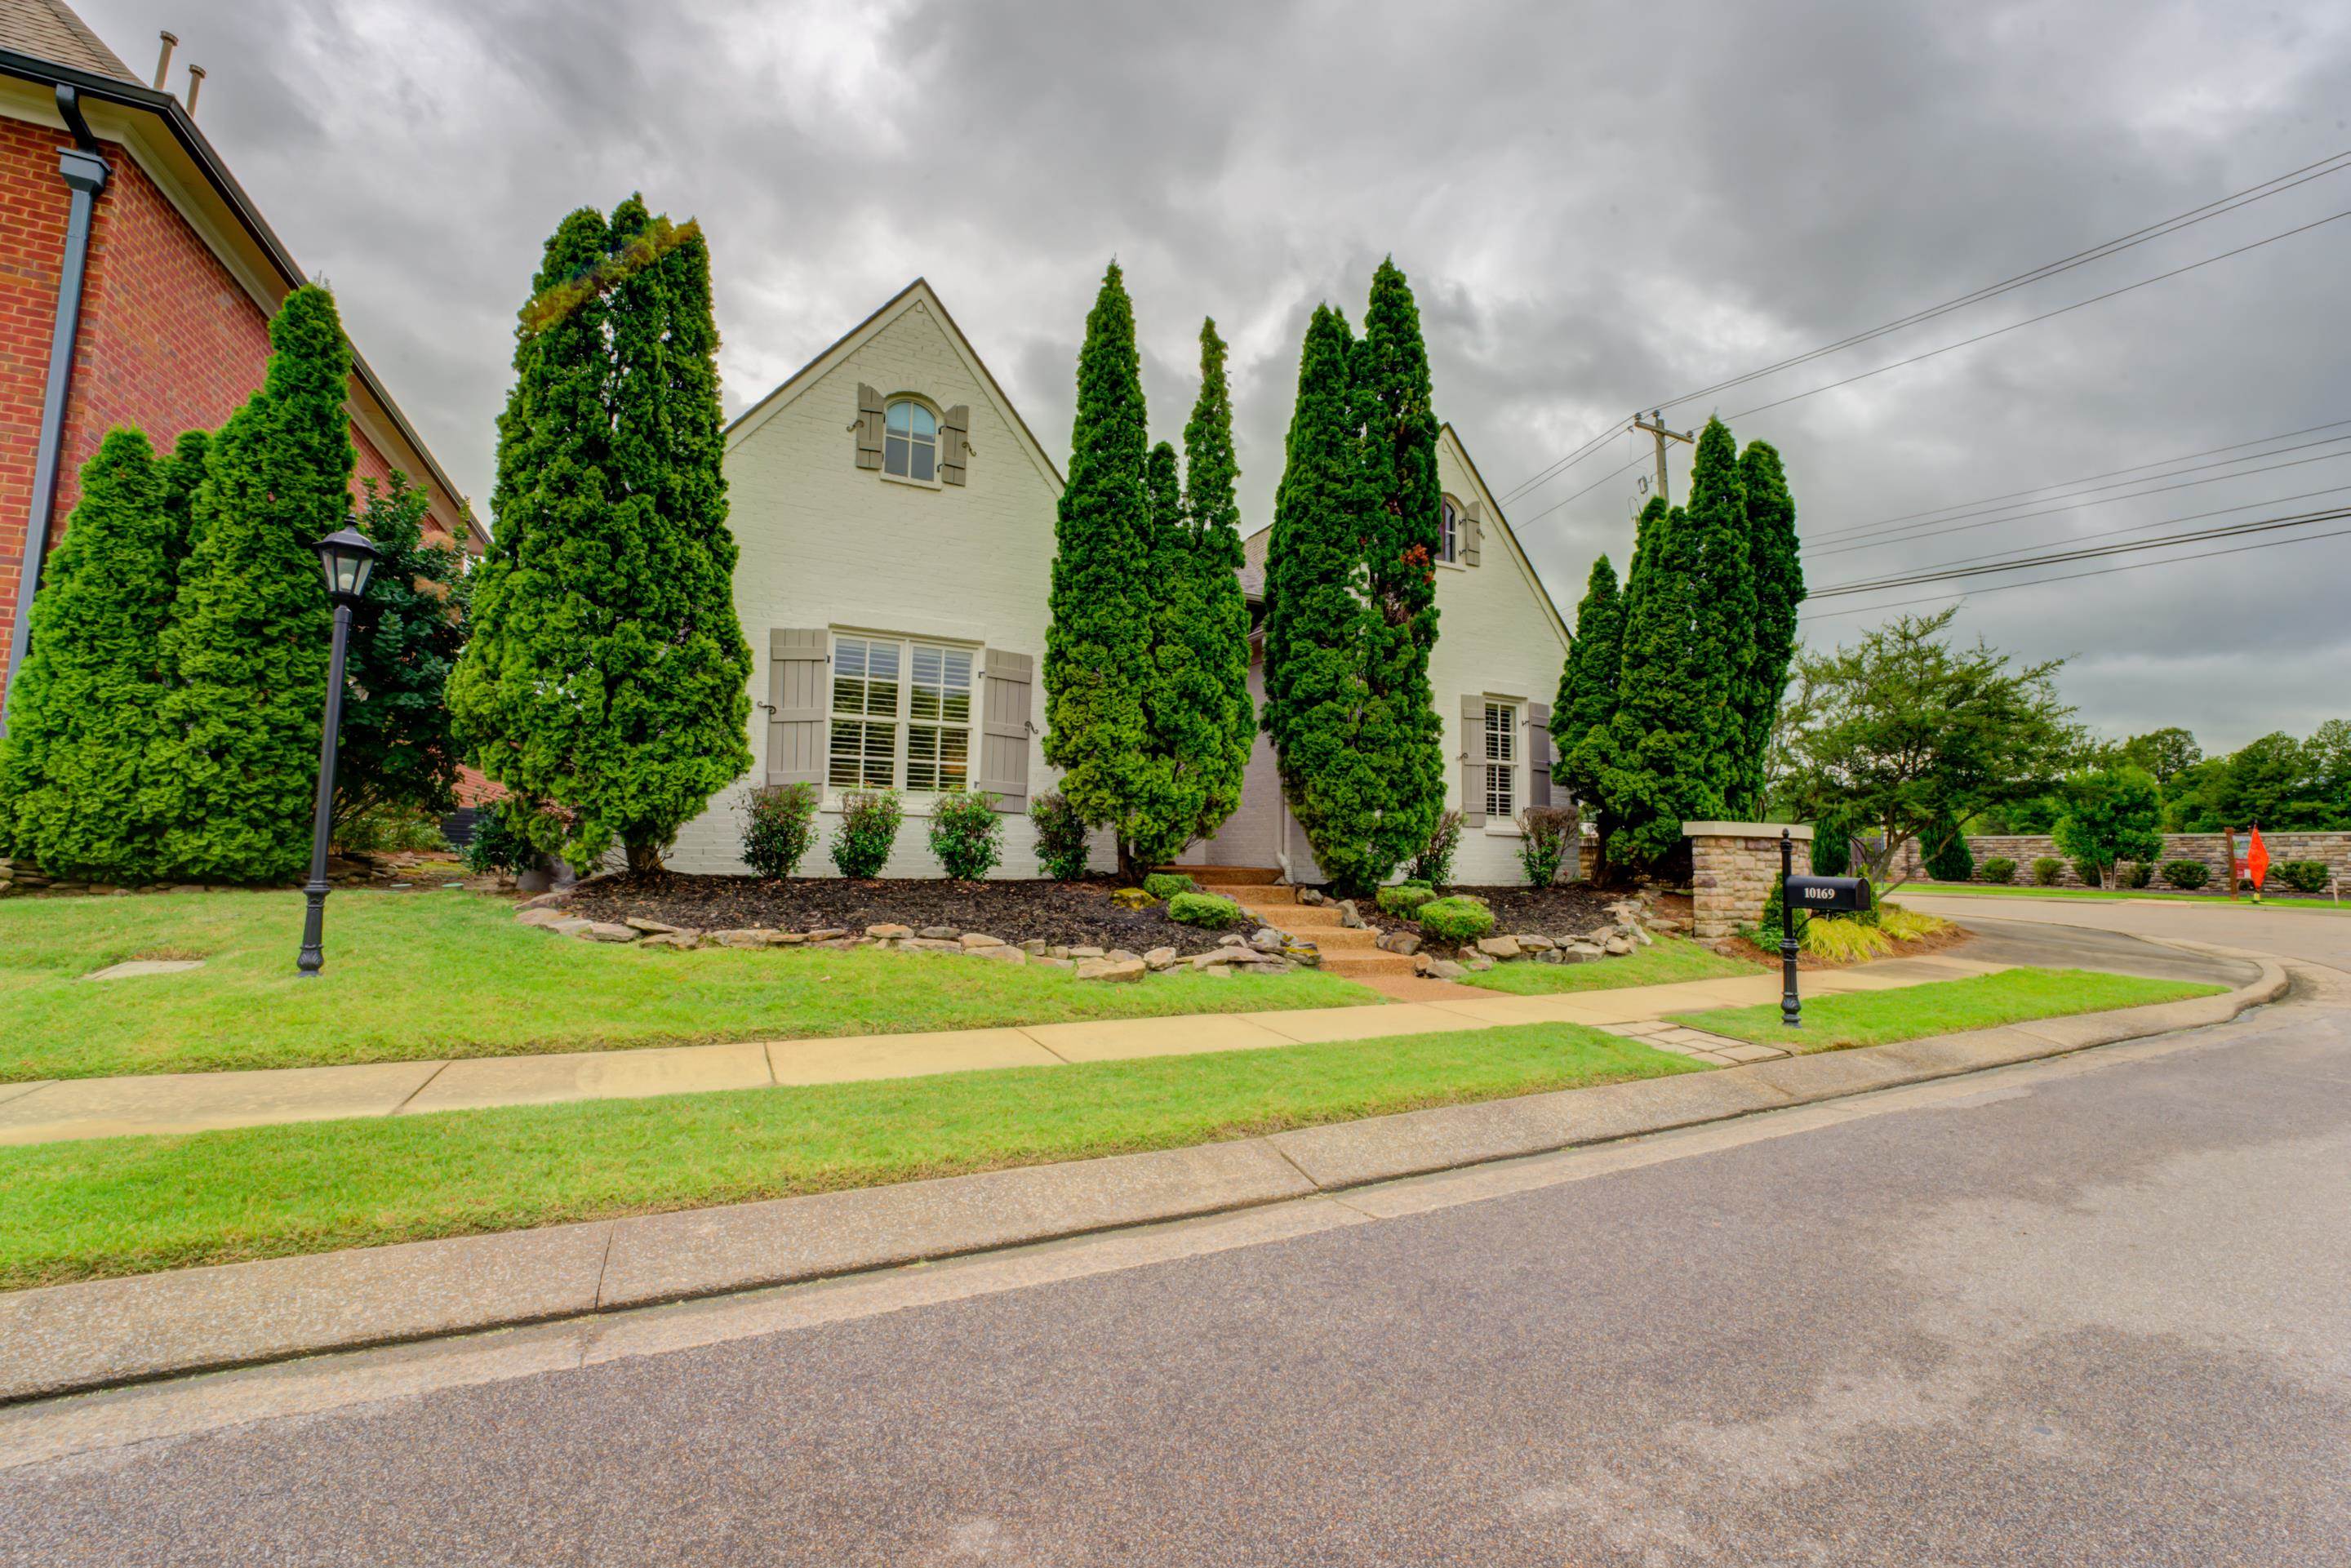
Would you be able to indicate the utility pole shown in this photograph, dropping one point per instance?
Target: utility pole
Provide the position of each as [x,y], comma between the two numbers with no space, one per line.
[1655,425]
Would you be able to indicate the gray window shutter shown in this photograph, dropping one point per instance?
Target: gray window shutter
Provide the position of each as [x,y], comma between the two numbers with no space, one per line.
[955,442]
[868,427]
[1008,682]
[1537,755]
[1473,761]
[799,697]
[1473,531]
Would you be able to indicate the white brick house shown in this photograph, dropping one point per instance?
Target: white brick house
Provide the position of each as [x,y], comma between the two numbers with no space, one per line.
[894,521]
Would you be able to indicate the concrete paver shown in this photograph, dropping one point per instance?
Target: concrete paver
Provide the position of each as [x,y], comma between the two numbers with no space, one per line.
[1118,1040]
[478,1081]
[904,1055]
[1317,1025]
[199,1101]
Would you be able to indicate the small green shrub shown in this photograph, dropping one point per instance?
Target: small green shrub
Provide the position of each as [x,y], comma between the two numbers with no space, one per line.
[1844,941]
[2303,876]
[1405,898]
[1434,863]
[2186,876]
[867,831]
[2047,870]
[966,835]
[780,827]
[2135,874]
[2090,871]
[1203,909]
[1831,849]
[1461,918]
[1061,838]
[1166,884]
[496,845]
[1999,869]
[1549,835]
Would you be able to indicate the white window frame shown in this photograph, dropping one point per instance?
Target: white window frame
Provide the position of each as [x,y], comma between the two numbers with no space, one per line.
[890,405]
[1501,762]
[906,722]
[1448,539]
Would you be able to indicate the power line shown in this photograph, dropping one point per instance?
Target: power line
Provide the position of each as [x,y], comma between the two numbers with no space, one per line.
[1564,464]
[2077,576]
[2209,210]
[2044,316]
[2166,522]
[2108,473]
[1956,525]
[2059,558]
[1612,473]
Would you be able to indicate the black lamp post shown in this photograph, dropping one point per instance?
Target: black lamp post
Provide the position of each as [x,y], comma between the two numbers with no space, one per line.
[348,557]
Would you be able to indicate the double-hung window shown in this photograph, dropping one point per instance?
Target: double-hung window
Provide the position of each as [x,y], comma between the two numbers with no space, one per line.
[901,716]
[1449,532]
[1501,761]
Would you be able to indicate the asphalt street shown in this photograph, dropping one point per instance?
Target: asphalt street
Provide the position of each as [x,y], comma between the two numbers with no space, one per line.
[2089,1312]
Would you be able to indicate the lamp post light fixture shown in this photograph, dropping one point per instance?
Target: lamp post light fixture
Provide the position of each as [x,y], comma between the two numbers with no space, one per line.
[348,557]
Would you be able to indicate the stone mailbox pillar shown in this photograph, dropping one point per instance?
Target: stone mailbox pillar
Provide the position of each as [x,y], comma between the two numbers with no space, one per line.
[1732,868]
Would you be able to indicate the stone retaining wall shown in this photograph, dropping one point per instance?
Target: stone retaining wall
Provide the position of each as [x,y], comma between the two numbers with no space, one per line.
[2211,849]
[1732,868]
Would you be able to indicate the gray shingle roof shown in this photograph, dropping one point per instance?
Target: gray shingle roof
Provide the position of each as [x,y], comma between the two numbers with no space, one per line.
[49,30]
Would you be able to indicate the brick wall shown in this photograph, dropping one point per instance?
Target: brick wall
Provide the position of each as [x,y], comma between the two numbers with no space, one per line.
[169,341]
[2211,849]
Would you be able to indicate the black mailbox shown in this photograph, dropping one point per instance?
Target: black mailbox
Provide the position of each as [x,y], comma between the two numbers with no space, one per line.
[1829,894]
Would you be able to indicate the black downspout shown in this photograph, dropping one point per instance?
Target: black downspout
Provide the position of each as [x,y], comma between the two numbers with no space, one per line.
[85,175]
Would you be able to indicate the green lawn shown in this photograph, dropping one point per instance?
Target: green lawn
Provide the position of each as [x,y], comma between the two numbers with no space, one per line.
[1674,958]
[124,1206]
[2201,900]
[1944,1007]
[414,976]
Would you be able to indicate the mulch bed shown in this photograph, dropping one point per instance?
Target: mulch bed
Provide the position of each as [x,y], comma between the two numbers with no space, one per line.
[1072,913]
[1519,910]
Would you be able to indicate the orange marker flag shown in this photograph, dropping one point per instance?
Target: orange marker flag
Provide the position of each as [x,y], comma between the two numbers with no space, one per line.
[2257,860]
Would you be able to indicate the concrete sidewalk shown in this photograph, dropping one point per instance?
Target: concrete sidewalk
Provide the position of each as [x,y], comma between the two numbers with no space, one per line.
[104,1333]
[63,1109]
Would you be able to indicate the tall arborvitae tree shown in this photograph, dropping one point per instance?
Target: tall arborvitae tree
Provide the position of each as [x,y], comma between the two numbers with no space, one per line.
[1316,590]
[1401,729]
[250,625]
[182,475]
[1215,619]
[1652,766]
[1722,652]
[607,675]
[1166,802]
[1587,693]
[1776,565]
[75,779]
[396,750]
[1100,634]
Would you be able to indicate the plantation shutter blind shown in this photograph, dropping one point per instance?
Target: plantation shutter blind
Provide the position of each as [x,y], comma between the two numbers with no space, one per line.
[868,427]
[1007,682]
[955,441]
[1473,532]
[798,694]
[1473,760]
[1537,755]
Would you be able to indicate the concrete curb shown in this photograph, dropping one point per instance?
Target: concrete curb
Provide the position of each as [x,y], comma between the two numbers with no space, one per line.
[68,1339]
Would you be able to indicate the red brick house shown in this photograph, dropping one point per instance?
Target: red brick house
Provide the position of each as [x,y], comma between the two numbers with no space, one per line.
[124,235]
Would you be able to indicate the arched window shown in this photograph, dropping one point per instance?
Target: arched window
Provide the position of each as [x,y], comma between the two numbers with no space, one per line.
[1449,532]
[910,443]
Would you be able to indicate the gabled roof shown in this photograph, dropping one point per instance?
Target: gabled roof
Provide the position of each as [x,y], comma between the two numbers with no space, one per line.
[919,292]
[1253,549]
[49,30]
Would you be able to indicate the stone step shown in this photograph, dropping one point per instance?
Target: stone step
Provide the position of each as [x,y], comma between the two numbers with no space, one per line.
[1334,940]
[1295,916]
[1358,966]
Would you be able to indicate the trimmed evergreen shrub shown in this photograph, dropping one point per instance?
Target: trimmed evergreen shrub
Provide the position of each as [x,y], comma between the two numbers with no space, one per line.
[2046,870]
[1833,843]
[1405,899]
[1203,909]
[1461,918]
[1777,570]
[1587,692]
[1432,866]
[1166,884]
[968,834]
[388,830]
[1999,869]
[250,624]
[606,673]
[1547,835]
[1949,859]
[867,831]
[2135,874]
[2303,876]
[498,845]
[2186,876]
[780,827]
[1063,846]
[1205,649]
[396,750]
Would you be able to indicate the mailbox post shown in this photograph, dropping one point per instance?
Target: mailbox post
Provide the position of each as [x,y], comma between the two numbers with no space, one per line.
[1791,1009]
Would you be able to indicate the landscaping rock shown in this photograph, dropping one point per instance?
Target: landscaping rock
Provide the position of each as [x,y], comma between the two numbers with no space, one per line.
[1267,939]
[1536,944]
[1579,953]
[1083,952]
[829,934]
[1617,946]
[978,939]
[568,926]
[1349,917]
[1114,974]
[607,931]
[1133,898]
[650,927]
[1232,939]
[1446,969]
[1220,971]
[1406,942]
[544,901]
[838,943]
[1058,951]
[1052,962]
[1121,955]
[1312,898]
[541,916]
[1034,948]
[940,933]
[887,933]
[931,945]
[1478,966]
[1499,946]
[1159,958]
[1641,935]
[679,940]
[999,953]
[742,938]
[1304,954]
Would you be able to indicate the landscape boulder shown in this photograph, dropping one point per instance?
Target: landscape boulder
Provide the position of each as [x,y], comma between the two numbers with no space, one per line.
[1267,939]
[940,934]
[1159,958]
[889,933]
[1104,970]
[981,939]
[609,931]
[1503,946]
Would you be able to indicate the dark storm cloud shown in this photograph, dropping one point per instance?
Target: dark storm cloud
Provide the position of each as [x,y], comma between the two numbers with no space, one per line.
[1599,207]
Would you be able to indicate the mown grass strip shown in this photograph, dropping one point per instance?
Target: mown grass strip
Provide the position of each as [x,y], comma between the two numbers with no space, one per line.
[1944,1007]
[1673,959]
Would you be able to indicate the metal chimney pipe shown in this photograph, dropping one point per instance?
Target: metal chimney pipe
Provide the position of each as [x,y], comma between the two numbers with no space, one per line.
[163,66]
[195,81]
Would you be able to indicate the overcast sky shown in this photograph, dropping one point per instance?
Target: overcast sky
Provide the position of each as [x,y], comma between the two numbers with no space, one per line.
[1599,206]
